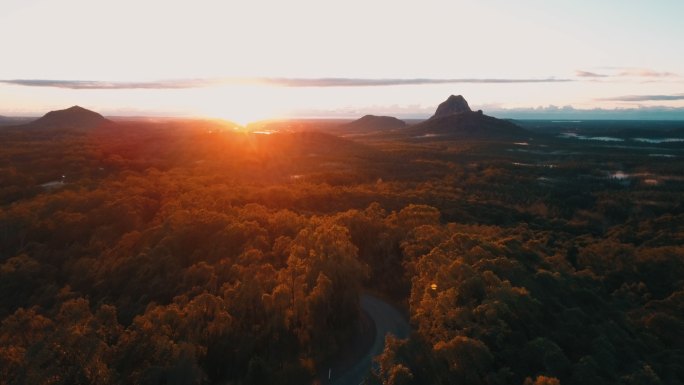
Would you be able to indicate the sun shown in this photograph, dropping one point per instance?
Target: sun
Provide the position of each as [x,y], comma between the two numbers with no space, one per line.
[242,113]
[241,105]
[242,118]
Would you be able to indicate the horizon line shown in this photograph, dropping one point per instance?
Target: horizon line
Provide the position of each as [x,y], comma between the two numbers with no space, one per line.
[650,113]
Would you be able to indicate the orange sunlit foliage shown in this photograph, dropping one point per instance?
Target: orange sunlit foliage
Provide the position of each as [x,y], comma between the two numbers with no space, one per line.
[180,250]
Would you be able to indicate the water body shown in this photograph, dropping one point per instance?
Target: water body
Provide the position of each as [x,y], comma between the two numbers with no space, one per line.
[571,135]
[662,155]
[544,165]
[426,136]
[620,175]
[53,185]
[658,140]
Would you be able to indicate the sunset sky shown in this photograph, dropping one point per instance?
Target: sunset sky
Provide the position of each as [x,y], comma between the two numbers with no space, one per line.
[248,60]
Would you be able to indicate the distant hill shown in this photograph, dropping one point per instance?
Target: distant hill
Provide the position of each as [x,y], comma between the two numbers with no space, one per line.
[373,123]
[454,119]
[73,117]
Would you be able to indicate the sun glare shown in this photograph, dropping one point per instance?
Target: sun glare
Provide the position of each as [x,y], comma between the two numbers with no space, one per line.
[241,105]
[238,117]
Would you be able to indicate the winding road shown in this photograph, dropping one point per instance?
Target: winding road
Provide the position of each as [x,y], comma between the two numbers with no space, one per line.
[387,319]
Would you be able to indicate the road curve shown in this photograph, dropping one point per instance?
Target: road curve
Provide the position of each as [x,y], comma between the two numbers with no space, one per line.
[387,319]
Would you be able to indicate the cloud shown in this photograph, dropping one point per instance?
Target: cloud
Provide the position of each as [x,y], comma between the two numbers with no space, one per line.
[587,74]
[280,82]
[644,98]
[646,73]
[571,113]
[626,72]
[357,82]
[104,85]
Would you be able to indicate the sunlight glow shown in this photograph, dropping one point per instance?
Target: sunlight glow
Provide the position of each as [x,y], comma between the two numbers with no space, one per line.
[229,50]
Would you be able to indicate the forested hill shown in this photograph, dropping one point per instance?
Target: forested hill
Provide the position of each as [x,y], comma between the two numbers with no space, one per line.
[75,117]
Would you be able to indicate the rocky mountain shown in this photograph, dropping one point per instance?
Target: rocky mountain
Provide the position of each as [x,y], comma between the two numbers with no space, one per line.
[455,104]
[370,123]
[73,117]
[454,119]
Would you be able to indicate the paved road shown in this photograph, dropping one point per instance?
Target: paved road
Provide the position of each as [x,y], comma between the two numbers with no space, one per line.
[387,319]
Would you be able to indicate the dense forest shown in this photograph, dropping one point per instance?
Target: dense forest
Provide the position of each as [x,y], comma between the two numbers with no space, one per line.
[187,252]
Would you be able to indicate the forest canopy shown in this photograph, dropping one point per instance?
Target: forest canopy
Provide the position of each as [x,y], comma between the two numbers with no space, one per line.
[183,252]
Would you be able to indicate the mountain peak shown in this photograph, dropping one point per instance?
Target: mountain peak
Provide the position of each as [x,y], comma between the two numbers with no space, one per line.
[76,109]
[454,119]
[455,104]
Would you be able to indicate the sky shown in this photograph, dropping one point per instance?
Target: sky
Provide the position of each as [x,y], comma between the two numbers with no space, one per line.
[250,60]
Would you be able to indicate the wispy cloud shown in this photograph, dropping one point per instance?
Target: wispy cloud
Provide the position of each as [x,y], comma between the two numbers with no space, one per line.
[105,85]
[358,82]
[644,98]
[626,72]
[279,82]
[588,74]
[646,73]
